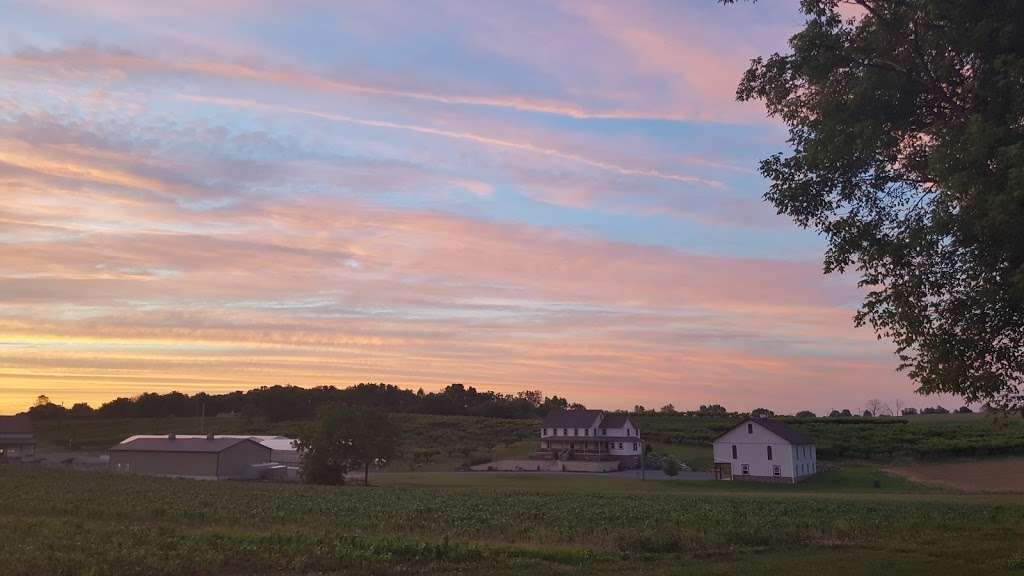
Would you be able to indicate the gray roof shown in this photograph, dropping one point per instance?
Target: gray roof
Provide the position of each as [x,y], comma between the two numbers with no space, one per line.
[15,425]
[785,432]
[614,420]
[165,444]
[591,438]
[571,418]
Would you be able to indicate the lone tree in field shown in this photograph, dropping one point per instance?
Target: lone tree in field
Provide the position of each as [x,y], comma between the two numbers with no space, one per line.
[906,127]
[345,438]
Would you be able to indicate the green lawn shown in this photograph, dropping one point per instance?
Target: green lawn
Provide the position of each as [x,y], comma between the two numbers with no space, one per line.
[63,522]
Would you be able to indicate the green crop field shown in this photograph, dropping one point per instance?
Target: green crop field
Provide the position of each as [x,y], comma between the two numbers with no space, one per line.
[56,521]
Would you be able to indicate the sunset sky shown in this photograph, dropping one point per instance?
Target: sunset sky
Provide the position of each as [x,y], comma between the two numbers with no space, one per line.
[562,196]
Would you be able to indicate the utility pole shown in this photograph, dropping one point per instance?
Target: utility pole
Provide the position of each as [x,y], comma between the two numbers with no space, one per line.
[643,461]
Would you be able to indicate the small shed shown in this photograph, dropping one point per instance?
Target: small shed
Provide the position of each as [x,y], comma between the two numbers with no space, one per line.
[209,457]
[17,439]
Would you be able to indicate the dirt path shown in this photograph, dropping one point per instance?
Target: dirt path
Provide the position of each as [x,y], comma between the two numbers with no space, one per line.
[993,475]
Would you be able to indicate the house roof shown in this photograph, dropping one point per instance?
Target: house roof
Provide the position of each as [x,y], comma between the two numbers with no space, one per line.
[778,428]
[614,420]
[165,444]
[570,418]
[785,432]
[590,438]
[20,424]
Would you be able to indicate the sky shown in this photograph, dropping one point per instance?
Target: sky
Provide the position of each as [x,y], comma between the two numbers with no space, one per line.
[560,196]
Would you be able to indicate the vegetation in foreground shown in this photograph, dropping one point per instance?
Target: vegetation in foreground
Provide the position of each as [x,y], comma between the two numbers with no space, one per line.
[64,522]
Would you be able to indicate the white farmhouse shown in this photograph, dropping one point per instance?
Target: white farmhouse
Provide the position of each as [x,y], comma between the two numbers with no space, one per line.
[589,435]
[764,450]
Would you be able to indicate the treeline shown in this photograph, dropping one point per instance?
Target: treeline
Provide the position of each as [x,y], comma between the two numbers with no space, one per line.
[278,403]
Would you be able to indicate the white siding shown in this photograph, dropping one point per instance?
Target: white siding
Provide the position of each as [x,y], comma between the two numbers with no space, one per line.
[629,448]
[752,450]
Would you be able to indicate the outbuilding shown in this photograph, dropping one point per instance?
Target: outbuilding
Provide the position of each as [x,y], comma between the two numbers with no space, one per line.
[283,450]
[16,437]
[208,457]
[765,450]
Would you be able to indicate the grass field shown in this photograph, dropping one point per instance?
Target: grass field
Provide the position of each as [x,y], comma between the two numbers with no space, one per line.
[64,522]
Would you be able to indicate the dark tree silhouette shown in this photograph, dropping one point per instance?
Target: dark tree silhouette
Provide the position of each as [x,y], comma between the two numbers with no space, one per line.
[907,150]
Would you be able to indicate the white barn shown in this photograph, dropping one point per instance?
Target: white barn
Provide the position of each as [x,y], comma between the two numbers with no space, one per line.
[764,450]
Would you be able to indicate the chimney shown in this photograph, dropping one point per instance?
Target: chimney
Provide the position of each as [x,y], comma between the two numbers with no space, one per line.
[171,436]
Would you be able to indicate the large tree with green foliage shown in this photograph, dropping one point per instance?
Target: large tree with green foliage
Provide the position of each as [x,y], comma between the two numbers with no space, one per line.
[344,438]
[906,127]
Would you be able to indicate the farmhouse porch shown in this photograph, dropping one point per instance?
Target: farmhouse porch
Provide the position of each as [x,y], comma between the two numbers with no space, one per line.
[576,449]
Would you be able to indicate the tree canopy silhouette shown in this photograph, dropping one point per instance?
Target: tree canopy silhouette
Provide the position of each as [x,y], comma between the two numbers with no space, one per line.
[906,127]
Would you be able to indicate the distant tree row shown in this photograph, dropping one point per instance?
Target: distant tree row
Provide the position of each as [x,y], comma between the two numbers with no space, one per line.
[277,403]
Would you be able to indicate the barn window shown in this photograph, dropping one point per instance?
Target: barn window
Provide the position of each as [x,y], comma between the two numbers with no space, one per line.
[750,428]
[776,470]
[746,469]
[733,451]
[769,452]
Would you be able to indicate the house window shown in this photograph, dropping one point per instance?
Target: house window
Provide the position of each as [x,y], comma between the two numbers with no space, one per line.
[620,445]
[628,432]
[750,428]
[746,469]
[565,431]
[733,451]
[776,470]
[769,452]
[604,431]
[575,431]
[634,446]
[586,431]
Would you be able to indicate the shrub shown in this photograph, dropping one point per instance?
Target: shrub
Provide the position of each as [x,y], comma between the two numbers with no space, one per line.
[670,467]
[477,458]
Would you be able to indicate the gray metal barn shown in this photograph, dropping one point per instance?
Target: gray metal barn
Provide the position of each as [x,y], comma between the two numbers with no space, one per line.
[16,438]
[208,457]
